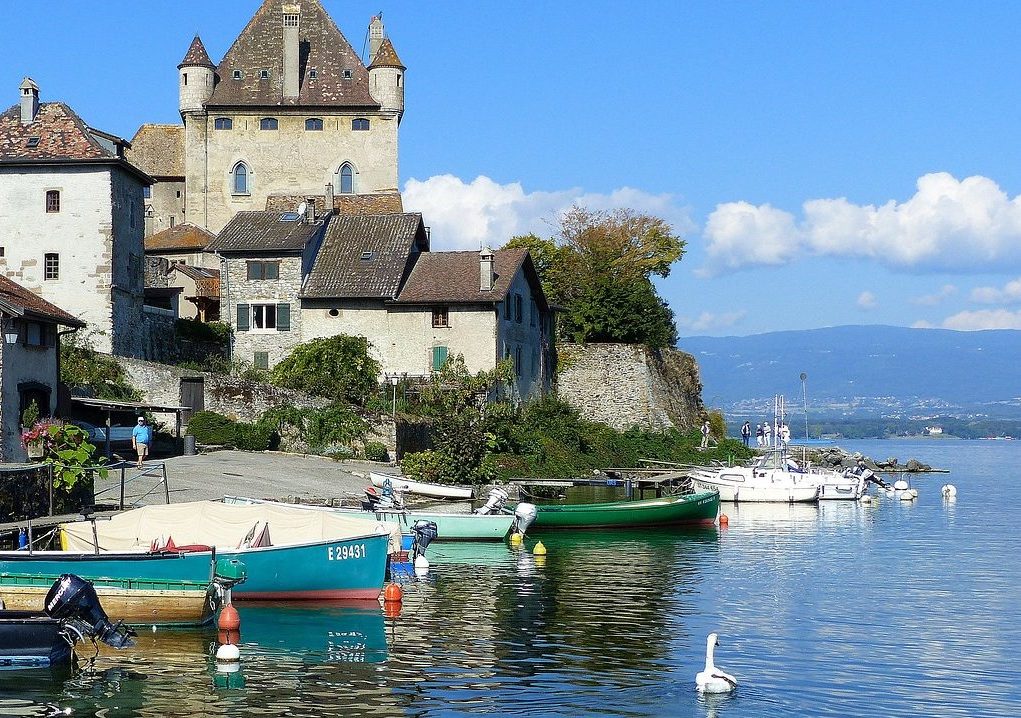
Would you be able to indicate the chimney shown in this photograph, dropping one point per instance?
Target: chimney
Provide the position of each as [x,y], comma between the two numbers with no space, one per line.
[486,274]
[29,101]
[329,198]
[292,14]
[376,35]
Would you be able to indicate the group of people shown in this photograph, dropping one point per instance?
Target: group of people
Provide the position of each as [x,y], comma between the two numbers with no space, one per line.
[764,434]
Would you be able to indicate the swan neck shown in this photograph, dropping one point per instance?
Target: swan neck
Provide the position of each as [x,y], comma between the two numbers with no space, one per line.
[709,665]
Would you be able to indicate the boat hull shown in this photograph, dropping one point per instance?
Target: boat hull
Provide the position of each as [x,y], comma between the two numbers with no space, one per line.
[30,639]
[152,588]
[352,568]
[439,491]
[737,492]
[693,510]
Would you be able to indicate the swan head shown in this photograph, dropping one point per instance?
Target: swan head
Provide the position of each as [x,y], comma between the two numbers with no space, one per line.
[711,641]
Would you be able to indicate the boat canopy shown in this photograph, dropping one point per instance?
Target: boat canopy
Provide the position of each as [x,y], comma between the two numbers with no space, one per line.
[225,526]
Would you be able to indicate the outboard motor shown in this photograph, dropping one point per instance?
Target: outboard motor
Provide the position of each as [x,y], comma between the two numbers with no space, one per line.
[524,516]
[494,504]
[73,601]
[425,533]
[381,501]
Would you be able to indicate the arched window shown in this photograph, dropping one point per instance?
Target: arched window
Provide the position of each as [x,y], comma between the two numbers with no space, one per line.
[313,124]
[346,178]
[359,123]
[268,123]
[223,123]
[239,179]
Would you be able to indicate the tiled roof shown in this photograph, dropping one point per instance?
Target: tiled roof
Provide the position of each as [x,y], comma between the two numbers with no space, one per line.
[453,277]
[196,55]
[16,298]
[158,150]
[380,203]
[61,136]
[365,256]
[180,237]
[263,232]
[323,48]
[386,56]
[207,281]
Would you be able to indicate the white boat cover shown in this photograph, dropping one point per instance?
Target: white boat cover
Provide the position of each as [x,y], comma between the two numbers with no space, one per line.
[225,526]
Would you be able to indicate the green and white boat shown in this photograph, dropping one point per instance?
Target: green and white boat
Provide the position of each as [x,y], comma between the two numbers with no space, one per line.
[699,509]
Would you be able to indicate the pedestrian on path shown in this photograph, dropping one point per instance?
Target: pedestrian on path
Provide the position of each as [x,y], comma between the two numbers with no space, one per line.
[705,433]
[746,432]
[141,439]
[760,435]
[767,431]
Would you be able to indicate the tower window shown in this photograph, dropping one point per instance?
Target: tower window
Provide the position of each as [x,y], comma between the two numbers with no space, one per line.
[239,179]
[359,123]
[236,74]
[268,123]
[223,123]
[184,77]
[147,192]
[313,124]
[290,20]
[53,201]
[313,73]
[347,74]
[263,74]
[347,179]
[51,265]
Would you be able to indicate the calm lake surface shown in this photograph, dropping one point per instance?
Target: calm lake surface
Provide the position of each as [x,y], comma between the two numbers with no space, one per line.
[896,609]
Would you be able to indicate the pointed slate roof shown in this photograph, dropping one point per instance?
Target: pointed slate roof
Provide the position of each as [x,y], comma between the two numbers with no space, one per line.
[196,55]
[365,256]
[386,56]
[56,133]
[321,47]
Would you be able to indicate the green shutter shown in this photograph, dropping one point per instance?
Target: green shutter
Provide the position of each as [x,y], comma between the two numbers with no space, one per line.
[243,315]
[272,270]
[439,357]
[283,317]
[253,270]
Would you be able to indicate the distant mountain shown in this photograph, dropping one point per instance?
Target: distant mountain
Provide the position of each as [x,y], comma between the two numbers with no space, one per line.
[865,371]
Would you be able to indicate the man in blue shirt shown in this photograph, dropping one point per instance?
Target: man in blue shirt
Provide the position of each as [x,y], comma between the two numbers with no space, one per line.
[141,438]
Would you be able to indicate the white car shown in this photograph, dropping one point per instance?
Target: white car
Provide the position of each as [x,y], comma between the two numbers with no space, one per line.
[97,434]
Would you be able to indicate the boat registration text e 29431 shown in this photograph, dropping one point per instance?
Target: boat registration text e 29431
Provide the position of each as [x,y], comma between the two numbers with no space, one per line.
[341,553]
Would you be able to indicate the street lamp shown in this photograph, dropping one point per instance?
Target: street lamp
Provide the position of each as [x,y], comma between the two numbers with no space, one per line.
[394,380]
[10,331]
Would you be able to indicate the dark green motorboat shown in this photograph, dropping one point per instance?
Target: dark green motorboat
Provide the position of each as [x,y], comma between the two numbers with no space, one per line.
[698,509]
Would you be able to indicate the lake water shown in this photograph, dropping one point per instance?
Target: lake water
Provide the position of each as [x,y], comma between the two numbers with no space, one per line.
[897,609]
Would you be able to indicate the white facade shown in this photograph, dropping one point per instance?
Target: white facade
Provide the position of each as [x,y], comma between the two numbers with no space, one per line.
[23,368]
[85,256]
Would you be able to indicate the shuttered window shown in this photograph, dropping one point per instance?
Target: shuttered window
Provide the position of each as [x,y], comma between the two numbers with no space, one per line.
[244,311]
[283,317]
[439,357]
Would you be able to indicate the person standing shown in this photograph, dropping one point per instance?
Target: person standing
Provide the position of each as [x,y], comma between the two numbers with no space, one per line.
[759,435]
[141,439]
[767,432]
[705,433]
[784,434]
[746,432]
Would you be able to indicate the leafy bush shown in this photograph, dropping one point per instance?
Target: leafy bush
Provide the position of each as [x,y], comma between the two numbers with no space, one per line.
[67,449]
[428,465]
[208,427]
[213,332]
[30,416]
[320,429]
[255,437]
[337,367]
[82,366]
[376,451]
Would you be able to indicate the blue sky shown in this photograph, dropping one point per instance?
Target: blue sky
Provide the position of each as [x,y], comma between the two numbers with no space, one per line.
[827,163]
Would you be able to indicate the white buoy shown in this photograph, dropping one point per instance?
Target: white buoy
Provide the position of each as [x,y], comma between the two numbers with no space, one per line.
[421,562]
[154,628]
[914,493]
[900,485]
[906,496]
[228,658]
[949,491]
[890,492]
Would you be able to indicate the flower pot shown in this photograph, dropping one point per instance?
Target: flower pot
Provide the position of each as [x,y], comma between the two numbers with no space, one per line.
[36,449]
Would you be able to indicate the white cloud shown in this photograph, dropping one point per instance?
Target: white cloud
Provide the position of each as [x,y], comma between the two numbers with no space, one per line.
[983,319]
[948,224]
[866,300]
[922,324]
[707,321]
[1009,293]
[929,300]
[464,215]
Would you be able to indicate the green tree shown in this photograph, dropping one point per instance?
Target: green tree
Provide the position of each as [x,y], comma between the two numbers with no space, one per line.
[82,366]
[337,367]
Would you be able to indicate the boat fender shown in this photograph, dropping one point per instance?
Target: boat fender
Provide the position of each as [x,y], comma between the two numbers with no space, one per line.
[392,593]
[228,625]
[724,520]
[421,562]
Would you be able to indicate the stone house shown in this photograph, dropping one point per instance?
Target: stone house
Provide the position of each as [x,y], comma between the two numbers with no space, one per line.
[29,361]
[158,150]
[290,278]
[289,108]
[71,218]
[187,266]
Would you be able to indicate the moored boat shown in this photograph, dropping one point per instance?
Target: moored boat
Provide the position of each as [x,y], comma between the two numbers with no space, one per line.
[745,483]
[289,553]
[692,509]
[439,491]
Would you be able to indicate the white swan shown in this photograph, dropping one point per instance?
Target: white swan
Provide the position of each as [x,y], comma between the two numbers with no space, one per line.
[713,679]
[949,491]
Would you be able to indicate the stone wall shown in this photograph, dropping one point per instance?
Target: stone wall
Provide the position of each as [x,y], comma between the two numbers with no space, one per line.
[236,288]
[624,385]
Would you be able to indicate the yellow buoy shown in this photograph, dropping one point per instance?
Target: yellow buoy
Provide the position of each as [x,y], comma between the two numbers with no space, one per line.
[539,549]
[516,539]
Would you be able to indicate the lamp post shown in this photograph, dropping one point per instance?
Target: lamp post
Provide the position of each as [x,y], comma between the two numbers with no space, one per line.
[394,380]
[10,331]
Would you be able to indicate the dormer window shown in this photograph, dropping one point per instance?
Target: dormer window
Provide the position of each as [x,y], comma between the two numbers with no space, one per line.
[313,73]
[32,142]
[223,123]
[360,124]
[268,123]
[263,74]
[236,74]
[347,74]
[366,256]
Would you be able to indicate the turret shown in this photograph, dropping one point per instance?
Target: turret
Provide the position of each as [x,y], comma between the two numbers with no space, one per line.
[197,77]
[386,79]
[29,101]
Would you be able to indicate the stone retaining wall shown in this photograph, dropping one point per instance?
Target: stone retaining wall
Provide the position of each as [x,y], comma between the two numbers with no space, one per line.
[625,385]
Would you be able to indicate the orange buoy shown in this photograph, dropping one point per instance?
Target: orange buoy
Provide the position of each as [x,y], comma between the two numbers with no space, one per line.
[724,520]
[229,625]
[392,609]
[392,593]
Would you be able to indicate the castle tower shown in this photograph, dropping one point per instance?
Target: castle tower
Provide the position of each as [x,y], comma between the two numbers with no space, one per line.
[386,79]
[197,77]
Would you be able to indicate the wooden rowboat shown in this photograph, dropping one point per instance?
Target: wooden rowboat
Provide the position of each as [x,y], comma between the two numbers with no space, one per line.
[698,509]
[439,491]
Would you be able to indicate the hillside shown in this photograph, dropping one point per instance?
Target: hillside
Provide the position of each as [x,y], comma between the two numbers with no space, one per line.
[862,371]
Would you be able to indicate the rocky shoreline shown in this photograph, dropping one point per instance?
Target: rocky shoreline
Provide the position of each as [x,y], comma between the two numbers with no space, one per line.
[836,458]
